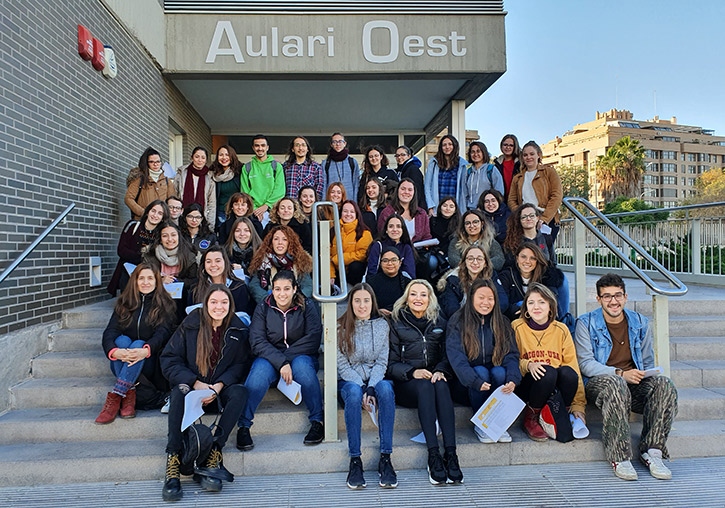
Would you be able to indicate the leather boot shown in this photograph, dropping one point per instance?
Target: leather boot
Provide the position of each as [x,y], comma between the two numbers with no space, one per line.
[172,482]
[128,404]
[110,408]
[532,426]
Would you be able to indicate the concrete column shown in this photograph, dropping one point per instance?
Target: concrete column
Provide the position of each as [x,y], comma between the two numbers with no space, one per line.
[329,338]
[580,268]
[661,332]
[401,139]
[458,124]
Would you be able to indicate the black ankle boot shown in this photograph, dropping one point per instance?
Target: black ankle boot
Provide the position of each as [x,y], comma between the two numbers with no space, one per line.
[172,483]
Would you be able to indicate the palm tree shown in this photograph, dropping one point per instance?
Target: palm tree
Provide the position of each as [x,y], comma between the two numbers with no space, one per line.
[620,170]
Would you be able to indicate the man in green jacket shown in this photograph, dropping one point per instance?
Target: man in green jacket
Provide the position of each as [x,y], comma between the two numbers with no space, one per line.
[263,179]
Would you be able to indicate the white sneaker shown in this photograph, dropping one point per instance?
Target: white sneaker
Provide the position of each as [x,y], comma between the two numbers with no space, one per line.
[505,437]
[656,467]
[165,409]
[481,435]
[624,470]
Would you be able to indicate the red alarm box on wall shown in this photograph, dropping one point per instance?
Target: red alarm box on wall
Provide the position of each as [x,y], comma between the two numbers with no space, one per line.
[99,55]
[85,43]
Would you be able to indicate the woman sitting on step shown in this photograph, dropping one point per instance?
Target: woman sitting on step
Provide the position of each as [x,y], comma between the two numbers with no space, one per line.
[362,358]
[420,371]
[141,324]
[209,350]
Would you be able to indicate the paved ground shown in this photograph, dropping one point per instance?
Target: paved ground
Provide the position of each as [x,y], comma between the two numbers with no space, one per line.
[696,483]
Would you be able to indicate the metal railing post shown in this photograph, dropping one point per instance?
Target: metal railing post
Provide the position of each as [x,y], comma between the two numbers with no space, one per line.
[580,268]
[661,332]
[696,245]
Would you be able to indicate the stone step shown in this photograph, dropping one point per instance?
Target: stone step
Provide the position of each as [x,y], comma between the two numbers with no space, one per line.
[80,462]
[60,364]
[698,373]
[698,326]
[95,315]
[77,339]
[688,347]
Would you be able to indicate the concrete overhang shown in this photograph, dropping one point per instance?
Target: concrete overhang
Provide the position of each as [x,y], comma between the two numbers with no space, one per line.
[365,74]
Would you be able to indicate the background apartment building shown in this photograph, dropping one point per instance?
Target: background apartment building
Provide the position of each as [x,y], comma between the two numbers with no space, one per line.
[675,154]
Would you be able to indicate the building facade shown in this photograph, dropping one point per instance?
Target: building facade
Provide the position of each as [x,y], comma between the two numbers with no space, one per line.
[675,154]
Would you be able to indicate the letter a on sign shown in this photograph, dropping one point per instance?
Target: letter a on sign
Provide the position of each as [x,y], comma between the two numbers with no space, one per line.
[224,28]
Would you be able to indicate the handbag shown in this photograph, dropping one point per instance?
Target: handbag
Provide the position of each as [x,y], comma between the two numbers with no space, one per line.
[554,419]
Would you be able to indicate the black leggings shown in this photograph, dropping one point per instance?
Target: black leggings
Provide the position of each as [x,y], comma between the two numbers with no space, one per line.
[536,393]
[233,399]
[355,271]
[434,402]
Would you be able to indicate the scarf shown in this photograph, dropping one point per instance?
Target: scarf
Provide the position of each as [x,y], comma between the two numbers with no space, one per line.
[167,257]
[339,156]
[536,326]
[284,262]
[155,175]
[225,176]
[242,256]
[189,196]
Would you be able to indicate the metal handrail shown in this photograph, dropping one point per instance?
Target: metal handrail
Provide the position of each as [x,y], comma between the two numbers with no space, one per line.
[32,246]
[654,210]
[680,288]
[316,255]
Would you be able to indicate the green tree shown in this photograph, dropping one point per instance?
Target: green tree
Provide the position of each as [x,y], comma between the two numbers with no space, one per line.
[624,204]
[710,189]
[574,180]
[620,170]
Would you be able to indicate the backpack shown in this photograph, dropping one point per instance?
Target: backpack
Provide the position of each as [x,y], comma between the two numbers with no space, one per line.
[489,173]
[248,168]
[350,161]
[554,419]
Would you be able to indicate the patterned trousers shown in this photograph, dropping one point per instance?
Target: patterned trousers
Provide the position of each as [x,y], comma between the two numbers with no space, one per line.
[654,397]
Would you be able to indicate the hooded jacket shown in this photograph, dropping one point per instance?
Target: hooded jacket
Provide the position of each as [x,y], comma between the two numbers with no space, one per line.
[352,249]
[513,285]
[453,297]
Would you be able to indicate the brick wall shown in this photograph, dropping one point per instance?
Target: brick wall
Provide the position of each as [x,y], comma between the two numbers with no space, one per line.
[68,134]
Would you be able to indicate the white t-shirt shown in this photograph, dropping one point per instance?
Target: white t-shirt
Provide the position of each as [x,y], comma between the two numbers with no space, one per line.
[527,190]
[410,225]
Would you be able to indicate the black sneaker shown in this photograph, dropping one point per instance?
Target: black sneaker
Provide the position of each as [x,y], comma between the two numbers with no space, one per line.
[453,470]
[355,478]
[436,469]
[315,435]
[388,478]
[172,483]
[244,439]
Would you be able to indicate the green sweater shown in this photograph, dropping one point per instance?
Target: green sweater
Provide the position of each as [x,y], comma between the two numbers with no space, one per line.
[259,180]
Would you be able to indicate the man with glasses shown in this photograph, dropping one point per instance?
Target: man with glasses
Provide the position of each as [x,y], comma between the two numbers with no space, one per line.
[409,167]
[340,167]
[614,347]
[389,282]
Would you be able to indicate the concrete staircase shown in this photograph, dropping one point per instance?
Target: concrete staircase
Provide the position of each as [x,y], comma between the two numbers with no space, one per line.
[49,435]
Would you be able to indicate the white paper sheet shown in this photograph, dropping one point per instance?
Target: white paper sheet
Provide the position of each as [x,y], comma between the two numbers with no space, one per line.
[292,391]
[578,428]
[655,371]
[545,229]
[420,438]
[426,243]
[169,172]
[190,308]
[373,414]
[239,272]
[130,267]
[497,414]
[175,289]
[192,406]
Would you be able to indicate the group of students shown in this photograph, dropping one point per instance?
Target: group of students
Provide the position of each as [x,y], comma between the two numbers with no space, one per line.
[478,305]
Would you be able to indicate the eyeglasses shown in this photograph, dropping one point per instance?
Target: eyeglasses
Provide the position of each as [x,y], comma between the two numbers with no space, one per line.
[389,260]
[472,222]
[194,217]
[529,216]
[337,142]
[397,155]
[477,259]
[606,298]
[300,144]
[155,162]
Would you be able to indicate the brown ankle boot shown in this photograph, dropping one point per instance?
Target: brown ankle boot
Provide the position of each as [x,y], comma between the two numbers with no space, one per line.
[128,404]
[532,426]
[110,408]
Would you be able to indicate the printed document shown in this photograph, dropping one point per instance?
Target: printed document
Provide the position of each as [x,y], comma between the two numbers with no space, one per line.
[498,413]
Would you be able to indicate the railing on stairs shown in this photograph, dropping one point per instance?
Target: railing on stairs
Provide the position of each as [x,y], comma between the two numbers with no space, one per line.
[12,266]
[660,294]
[321,291]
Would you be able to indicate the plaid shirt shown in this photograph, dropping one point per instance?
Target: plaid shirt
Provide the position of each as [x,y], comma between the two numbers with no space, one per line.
[297,176]
[447,180]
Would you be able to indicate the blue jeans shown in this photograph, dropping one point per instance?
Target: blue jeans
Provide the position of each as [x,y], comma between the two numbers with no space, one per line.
[351,396]
[263,374]
[126,375]
[496,376]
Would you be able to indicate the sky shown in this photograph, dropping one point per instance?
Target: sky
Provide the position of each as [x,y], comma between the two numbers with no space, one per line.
[568,59]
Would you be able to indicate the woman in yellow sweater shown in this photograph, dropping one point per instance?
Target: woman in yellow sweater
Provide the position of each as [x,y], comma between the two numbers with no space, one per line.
[547,360]
[356,239]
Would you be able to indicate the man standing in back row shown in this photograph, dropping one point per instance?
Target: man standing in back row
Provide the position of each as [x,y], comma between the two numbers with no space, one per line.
[263,179]
[614,348]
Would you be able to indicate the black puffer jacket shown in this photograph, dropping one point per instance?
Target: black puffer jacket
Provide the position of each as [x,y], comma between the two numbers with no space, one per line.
[139,328]
[411,349]
[513,285]
[279,337]
[178,361]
